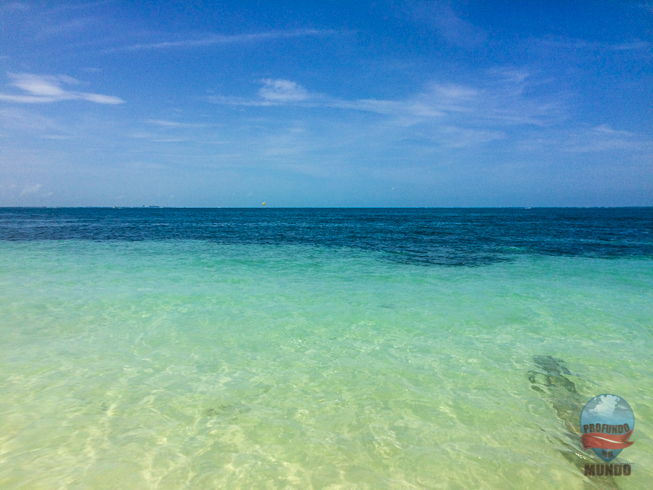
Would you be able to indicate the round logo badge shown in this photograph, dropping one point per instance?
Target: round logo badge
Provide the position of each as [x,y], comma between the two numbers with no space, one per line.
[606,424]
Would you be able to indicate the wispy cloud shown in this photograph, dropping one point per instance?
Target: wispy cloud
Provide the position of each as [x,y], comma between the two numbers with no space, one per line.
[39,89]
[282,91]
[67,27]
[441,17]
[39,23]
[580,44]
[156,137]
[173,124]
[240,101]
[604,138]
[167,131]
[15,119]
[221,39]
[500,101]
[30,189]
[596,139]
[630,46]
[274,92]
[440,116]
[456,137]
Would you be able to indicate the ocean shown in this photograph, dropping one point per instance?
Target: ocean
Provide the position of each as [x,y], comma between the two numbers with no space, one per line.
[154,348]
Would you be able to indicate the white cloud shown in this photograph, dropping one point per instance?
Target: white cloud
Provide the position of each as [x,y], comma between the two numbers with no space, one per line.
[499,101]
[41,89]
[442,115]
[279,91]
[282,91]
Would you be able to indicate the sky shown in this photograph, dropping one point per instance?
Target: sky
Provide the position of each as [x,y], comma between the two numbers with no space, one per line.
[326,104]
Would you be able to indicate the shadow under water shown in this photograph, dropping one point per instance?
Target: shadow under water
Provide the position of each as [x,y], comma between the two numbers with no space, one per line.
[552,382]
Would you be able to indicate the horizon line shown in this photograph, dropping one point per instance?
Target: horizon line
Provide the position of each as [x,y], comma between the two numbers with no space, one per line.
[153,207]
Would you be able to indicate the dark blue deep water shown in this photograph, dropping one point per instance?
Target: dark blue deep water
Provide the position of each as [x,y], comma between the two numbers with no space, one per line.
[420,236]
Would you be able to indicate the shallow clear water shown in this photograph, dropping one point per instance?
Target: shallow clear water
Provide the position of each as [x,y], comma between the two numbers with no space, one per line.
[204,364]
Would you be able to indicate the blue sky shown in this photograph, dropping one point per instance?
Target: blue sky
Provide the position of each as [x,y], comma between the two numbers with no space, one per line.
[383,103]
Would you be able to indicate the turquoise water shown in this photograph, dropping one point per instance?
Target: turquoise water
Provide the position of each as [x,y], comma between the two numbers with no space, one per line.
[191,364]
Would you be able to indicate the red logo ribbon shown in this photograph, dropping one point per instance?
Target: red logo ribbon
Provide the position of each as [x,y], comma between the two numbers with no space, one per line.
[599,440]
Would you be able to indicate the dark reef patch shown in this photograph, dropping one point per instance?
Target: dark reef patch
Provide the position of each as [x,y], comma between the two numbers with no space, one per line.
[431,236]
[551,379]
